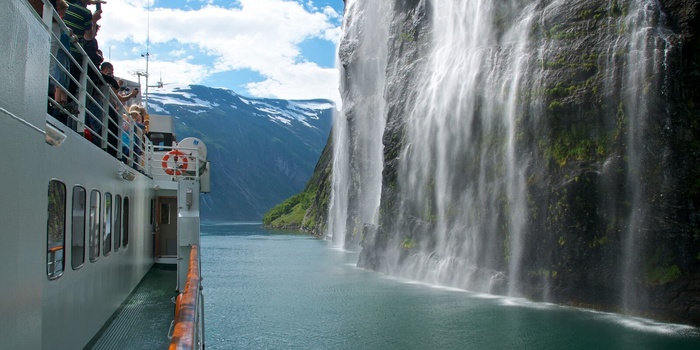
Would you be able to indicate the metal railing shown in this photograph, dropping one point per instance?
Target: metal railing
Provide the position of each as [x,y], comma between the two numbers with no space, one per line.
[188,332]
[91,109]
[54,258]
[167,163]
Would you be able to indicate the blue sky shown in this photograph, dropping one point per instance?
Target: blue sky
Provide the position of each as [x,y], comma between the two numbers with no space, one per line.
[261,48]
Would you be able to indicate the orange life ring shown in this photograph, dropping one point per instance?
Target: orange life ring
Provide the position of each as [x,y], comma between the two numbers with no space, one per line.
[180,162]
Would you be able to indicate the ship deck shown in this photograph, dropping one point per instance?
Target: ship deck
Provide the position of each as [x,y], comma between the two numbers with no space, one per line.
[143,320]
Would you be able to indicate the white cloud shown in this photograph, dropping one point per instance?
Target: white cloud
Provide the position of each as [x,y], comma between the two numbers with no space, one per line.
[331,13]
[303,82]
[177,53]
[258,35]
[180,72]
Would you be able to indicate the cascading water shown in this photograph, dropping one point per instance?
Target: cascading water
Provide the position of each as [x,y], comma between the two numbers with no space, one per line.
[357,132]
[646,46]
[461,168]
[524,146]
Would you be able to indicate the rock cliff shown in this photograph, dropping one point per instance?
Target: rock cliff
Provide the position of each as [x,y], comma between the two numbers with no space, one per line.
[547,149]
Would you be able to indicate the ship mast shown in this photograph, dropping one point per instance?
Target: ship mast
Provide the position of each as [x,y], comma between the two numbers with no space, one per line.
[148,45]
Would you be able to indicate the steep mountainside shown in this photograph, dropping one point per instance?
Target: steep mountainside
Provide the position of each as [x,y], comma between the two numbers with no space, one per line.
[261,150]
[546,149]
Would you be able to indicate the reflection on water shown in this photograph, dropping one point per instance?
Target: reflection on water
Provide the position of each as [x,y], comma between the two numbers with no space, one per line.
[284,291]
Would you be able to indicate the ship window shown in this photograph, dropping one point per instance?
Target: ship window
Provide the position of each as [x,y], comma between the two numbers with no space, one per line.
[56,229]
[107,221]
[164,213]
[78,228]
[94,226]
[125,222]
[117,222]
[161,141]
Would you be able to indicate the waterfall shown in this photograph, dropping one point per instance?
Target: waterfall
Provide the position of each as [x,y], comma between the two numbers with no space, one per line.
[517,135]
[357,132]
[461,168]
[646,46]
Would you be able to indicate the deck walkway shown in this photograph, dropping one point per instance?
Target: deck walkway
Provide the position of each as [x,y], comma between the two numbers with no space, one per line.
[144,319]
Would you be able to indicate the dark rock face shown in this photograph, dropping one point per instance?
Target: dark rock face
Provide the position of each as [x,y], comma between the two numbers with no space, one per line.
[619,233]
[607,151]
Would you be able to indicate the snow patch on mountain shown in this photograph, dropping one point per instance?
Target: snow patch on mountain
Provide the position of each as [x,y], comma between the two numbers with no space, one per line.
[278,111]
[182,99]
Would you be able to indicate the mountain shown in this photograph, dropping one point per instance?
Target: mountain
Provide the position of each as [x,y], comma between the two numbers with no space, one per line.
[262,151]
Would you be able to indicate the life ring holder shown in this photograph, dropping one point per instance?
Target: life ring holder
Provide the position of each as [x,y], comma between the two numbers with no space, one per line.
[179,160]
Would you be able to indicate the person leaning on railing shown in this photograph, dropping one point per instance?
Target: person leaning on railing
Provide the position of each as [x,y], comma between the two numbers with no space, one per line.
[61,65]
[81,21]
[135,112]
[114,122]
[94,54]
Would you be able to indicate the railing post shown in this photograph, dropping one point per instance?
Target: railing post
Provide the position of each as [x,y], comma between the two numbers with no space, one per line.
[104,89]
[82,93]
[120,131]
[47,15]
[52,263]
[132,142]
[149,160]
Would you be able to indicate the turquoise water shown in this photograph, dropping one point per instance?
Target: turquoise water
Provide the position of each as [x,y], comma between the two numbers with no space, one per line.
[285,291]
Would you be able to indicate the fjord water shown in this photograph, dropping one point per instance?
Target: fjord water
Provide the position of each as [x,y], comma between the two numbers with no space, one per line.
[266,290]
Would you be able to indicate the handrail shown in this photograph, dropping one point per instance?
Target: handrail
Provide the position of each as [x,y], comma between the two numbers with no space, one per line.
[194,160]
[93,111]
[186,335]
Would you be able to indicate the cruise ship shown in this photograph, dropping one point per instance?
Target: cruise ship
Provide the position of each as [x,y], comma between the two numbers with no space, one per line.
[91,213]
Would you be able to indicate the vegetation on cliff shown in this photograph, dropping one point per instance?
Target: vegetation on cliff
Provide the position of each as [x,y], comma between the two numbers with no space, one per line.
[306,211]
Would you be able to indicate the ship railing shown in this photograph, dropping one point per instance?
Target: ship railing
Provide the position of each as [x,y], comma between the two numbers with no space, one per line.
[91,109]
[173,163]
[187,329]
[55,259]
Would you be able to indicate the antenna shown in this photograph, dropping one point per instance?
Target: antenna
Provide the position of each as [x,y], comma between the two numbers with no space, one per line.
[139,73]
[148,47]
[160,83]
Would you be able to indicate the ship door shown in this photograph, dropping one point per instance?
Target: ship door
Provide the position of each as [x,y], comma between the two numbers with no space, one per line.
[166,227]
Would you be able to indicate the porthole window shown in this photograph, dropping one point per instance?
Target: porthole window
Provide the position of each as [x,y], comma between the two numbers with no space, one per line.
[94,226]
[107,220]
[56,229]
[125,223]
[117,222]
[164,213]
[78,227]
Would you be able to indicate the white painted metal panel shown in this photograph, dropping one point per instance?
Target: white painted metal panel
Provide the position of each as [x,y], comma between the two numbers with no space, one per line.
[104,284]
[25,44]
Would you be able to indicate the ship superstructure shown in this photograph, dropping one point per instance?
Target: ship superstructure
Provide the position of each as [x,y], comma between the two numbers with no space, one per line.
[86,207]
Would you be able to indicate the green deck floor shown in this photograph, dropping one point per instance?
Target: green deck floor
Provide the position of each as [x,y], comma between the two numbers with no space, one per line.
[144,319]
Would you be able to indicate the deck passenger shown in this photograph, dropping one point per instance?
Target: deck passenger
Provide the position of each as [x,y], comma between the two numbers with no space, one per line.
[126,138]
[95,55]
[113,124]
[62,64]
[81,21]
[146,119]
[139,129]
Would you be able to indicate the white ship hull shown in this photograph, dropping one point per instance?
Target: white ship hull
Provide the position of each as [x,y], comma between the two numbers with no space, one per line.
[39,310]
